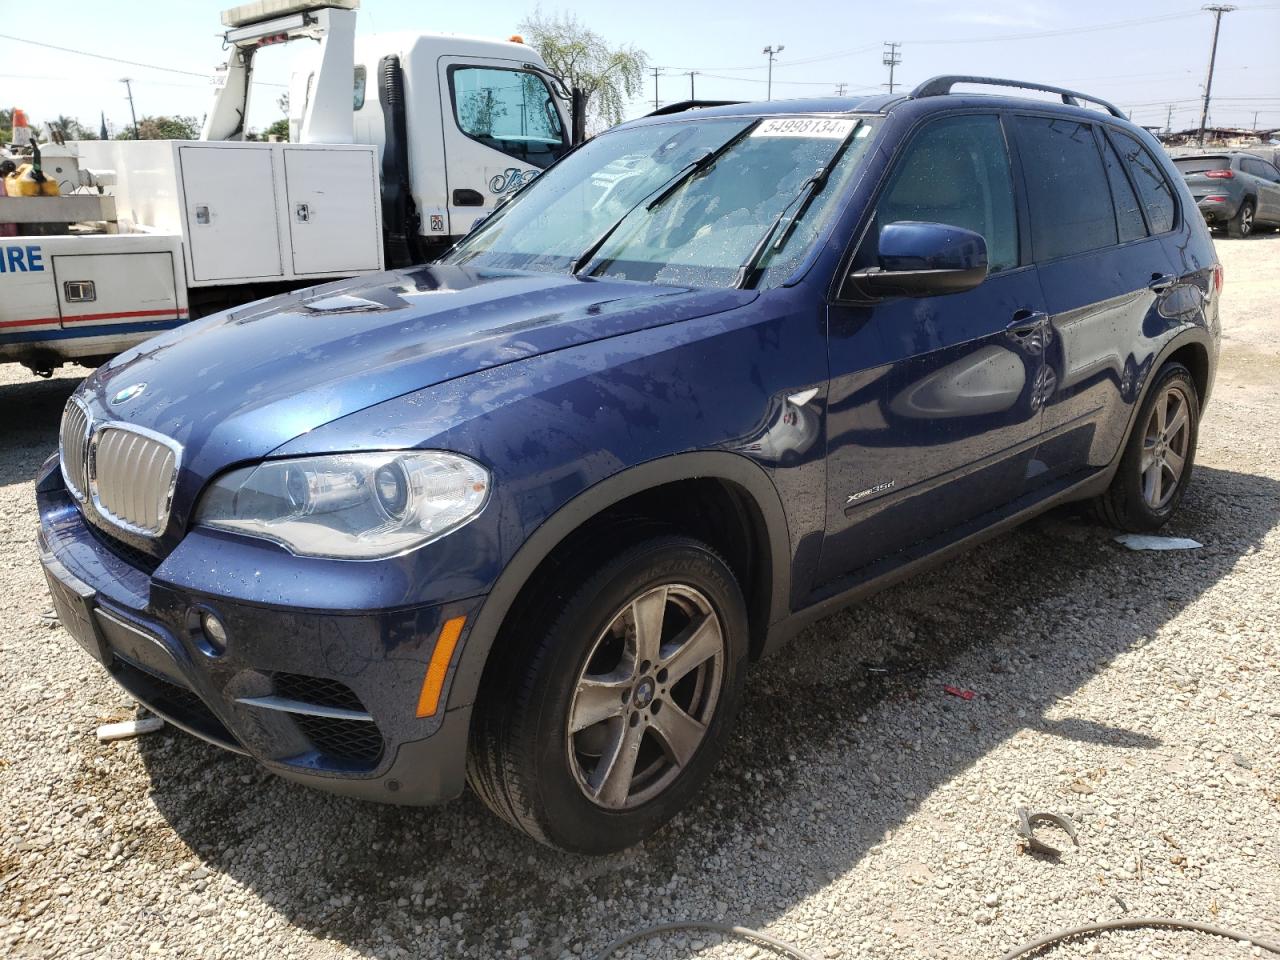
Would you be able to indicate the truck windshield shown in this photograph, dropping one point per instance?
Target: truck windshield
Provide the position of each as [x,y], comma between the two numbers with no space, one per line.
[691,203]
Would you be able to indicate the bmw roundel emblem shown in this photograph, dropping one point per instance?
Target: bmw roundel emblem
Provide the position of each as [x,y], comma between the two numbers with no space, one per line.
[128,393]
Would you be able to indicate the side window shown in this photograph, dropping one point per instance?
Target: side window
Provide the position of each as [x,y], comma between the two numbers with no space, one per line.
[956,171]
[357,92]
[1153,187]
[1067,190]
[1128,213]
[509,110]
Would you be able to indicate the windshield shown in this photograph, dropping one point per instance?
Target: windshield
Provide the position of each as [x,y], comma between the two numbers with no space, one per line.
[690,203]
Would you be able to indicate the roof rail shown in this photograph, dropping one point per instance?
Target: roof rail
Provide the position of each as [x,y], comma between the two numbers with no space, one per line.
[941,86]
[680,106]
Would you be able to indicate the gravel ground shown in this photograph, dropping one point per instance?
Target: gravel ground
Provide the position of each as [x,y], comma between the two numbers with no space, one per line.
[862,811]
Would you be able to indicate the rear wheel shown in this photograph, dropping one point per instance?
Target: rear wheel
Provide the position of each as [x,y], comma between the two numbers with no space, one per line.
[601,727]
[1156,466]
[1241,225]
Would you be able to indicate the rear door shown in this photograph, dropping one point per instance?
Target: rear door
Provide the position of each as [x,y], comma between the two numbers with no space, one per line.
[501,129]
[1104,272]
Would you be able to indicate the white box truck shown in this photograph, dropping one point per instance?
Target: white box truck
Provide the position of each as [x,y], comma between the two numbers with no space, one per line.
[402,142]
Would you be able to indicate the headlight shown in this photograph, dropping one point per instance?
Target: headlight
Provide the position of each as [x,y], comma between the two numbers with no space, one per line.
[357,506]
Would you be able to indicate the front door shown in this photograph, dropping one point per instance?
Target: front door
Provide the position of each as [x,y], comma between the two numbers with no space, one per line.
[501,129]
[934,408]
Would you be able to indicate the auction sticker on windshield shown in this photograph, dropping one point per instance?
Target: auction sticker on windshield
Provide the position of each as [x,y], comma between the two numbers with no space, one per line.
[831,128]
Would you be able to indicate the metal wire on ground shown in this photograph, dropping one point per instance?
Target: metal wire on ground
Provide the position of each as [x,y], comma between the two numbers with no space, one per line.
[1068,933]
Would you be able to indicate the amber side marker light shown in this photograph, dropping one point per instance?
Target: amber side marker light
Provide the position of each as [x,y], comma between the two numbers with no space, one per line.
[433,682]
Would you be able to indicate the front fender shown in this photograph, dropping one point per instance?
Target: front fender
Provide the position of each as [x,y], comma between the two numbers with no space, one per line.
[731,468]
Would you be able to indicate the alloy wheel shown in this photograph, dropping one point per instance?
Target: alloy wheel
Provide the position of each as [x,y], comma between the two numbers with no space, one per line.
[1246,221]
[646,696]
[1165,446]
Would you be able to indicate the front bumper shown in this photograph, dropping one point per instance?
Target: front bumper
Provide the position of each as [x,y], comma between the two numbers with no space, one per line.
[326,698]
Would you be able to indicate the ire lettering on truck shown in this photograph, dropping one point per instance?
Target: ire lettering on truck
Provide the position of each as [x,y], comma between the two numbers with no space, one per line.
[21,260]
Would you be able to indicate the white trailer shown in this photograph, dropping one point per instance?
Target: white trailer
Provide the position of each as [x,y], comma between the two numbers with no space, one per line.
[402,142]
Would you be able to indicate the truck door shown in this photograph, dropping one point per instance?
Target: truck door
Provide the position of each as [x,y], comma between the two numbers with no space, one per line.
[501,128]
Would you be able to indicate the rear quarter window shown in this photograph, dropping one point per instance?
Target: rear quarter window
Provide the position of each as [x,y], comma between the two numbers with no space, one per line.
[1154,189]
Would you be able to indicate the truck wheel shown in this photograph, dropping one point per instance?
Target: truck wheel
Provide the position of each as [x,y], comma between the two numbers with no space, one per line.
[1241,225]
[1156,466]
[604,724]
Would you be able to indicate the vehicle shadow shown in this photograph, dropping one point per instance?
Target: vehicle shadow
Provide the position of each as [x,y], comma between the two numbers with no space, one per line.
[30,411]
[844,734]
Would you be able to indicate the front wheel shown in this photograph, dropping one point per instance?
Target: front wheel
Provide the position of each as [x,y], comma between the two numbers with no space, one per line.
[1156,466]
[600,727]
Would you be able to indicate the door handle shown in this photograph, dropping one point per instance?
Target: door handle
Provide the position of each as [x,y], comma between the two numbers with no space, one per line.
[1160,282]
[1025,323]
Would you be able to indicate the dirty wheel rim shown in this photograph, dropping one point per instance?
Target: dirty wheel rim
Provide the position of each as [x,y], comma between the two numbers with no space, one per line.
[1165,446]
[645,696]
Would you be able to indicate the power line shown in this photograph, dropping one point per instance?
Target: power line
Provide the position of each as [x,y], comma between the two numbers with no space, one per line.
[102,56]
[131,63]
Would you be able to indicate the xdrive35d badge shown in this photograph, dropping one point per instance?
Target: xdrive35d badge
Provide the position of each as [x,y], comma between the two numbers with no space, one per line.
[524,518]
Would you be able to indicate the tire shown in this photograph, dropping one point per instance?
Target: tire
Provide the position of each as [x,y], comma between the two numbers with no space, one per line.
[584,659]
[1241,225]
[1134,502]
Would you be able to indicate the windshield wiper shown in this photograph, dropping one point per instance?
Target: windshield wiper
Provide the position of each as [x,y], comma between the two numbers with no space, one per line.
[663,192]
[808,190]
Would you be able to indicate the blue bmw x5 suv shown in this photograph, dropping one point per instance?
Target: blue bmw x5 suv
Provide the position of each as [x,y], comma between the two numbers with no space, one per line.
[523,517]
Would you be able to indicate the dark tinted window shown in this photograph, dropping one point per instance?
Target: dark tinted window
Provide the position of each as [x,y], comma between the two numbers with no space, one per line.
[1187,165]
[956,171]
[1067,190]
[1155,191]
[1128,212]
[1259,168]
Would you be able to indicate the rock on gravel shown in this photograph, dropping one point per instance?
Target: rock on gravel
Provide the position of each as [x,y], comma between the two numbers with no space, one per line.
[860,813]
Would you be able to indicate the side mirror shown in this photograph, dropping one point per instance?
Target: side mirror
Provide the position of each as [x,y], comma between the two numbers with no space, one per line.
[924,260]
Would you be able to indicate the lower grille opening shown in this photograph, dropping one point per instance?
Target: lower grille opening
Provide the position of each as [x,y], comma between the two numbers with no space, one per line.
[350,741]
[139,559]
[347,741]
[179,703]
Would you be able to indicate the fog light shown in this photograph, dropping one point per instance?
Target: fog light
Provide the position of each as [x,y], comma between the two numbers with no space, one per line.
[215,632]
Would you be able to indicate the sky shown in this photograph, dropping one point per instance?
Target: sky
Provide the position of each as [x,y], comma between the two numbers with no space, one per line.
[1145,56]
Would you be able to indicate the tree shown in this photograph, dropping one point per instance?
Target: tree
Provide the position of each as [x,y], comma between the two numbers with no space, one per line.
[163,128]
[278,129]
[607,76]
[72,129]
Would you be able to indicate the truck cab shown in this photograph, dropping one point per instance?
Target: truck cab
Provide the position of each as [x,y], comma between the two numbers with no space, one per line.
[491,105]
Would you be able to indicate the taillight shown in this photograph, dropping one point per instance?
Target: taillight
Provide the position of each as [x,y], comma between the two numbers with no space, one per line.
[1220,174]
[1217,278]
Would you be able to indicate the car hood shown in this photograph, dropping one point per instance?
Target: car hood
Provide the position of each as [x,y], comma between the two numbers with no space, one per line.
[235,386]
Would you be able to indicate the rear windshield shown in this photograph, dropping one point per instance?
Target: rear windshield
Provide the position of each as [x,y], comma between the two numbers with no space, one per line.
[1201,164]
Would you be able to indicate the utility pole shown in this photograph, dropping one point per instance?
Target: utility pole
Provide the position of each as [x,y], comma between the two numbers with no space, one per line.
[129,93]
[1217,9]
[655,87]
[771,51]
[891,59]
[1255,119]
[692,74]
[1168,120]
[841,88]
